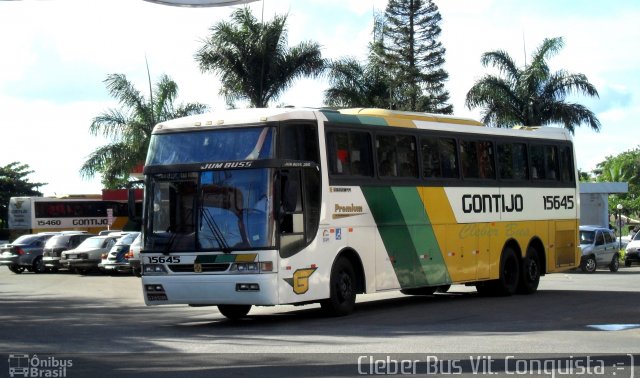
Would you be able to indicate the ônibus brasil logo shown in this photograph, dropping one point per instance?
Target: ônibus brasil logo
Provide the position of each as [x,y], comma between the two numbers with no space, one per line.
[23,365]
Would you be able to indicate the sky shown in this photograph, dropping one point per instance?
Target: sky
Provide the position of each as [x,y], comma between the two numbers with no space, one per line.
[55,55]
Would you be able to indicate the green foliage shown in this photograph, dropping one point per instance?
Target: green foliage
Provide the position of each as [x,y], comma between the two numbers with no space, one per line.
[253,60]
[130,127]
[414,57]
[14,183]
[624,167]
[353,84]
[531,95]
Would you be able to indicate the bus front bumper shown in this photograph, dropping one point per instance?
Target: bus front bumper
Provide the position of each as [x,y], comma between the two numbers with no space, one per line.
[211,289]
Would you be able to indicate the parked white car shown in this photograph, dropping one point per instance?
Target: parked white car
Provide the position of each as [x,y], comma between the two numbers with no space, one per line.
[632,253]
[86,257]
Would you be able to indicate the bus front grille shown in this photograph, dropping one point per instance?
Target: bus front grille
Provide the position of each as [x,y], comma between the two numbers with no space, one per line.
[185,268]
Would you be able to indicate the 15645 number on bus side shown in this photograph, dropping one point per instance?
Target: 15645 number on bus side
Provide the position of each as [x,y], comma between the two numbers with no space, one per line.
[558,202]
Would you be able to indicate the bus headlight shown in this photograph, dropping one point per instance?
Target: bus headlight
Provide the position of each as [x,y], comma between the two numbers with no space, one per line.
[154,269]
[253,267]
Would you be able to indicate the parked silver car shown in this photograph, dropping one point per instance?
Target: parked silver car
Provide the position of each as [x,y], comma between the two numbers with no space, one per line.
[116,260]
[88,254]
[25,253]
[59,243]
[599,249]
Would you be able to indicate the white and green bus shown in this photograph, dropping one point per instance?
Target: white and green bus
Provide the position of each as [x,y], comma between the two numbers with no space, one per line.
[294,206]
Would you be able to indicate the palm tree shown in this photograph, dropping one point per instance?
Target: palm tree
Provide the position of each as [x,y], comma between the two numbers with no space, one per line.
[533,95]
[253,60]
[130,127]
[355,85]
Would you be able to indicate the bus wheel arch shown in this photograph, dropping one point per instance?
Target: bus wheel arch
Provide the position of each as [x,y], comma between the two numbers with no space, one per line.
[345,281]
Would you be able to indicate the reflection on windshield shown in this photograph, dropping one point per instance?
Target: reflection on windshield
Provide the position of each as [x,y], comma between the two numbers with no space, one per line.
[235,209]
[215,210]
[586,237]
[211,145]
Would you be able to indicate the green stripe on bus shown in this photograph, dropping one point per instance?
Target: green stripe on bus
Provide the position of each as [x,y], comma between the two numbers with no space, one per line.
[354,119]
[422,235]
[407,236]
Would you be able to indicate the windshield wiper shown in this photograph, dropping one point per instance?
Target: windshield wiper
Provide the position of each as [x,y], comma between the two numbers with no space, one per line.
[215,230]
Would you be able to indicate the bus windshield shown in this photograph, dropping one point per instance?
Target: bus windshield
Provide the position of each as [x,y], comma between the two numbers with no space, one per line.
[211,211]
[211,146]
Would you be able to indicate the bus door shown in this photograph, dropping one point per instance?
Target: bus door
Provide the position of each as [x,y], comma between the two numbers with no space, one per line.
[298,222]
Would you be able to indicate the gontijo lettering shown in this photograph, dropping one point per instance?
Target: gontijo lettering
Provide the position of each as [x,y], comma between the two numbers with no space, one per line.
[492,203]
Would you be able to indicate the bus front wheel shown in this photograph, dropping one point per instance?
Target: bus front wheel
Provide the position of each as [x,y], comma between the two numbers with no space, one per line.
[342,297]
[234,312]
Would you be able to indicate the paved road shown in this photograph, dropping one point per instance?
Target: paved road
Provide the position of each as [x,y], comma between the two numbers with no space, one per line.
[58,314]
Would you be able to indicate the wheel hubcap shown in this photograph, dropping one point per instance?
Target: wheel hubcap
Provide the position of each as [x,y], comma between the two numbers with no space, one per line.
[344,287]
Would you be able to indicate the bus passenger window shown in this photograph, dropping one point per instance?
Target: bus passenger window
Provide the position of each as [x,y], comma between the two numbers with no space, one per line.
[299,142]
[360,154]
[449,158]
[338,152]
[566,164]
[477,159]
[396,156]
[544,162]
[406,149]
[430,158]
[349,153]
[512,161]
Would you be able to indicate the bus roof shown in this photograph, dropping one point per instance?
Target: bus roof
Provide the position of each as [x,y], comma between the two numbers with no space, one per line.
[440,122]
[413,116]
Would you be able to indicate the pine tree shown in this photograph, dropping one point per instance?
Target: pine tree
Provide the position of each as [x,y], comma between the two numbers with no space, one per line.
[414,56]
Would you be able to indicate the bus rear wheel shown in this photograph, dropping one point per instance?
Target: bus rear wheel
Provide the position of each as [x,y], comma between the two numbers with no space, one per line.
[234,312]
[342,290]
[530,273]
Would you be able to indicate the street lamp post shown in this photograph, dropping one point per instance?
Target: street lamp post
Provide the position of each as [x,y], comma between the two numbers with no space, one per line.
[619,208]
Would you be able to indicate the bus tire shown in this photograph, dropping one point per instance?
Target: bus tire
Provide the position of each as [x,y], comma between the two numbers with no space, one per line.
[507,283]
[234,312]
[529,273]
[509,279]
[342,289]
[15,268]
